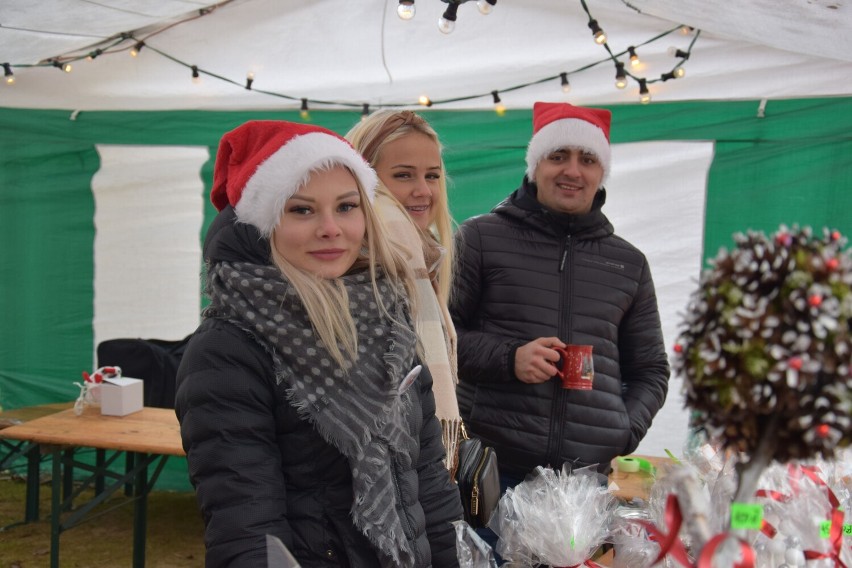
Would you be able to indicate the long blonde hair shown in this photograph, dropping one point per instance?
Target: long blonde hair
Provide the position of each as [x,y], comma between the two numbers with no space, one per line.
[370,135]
[325,299]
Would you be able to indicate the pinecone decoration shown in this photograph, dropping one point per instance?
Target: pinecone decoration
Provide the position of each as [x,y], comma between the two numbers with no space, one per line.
[766,348]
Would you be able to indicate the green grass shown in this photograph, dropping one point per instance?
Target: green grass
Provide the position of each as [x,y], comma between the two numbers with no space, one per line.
[175,532]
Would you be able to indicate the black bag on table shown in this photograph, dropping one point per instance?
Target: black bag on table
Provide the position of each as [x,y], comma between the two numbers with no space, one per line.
[478,478]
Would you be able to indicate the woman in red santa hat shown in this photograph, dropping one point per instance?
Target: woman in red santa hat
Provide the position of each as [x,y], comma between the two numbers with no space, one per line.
[304,411]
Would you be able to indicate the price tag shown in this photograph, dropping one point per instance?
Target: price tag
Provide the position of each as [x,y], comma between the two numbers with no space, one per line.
[747,516]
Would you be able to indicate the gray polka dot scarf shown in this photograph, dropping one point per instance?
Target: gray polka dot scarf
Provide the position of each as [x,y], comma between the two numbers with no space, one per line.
[360,412]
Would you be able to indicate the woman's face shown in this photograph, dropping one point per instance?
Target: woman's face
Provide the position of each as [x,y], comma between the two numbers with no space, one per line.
[322,225]
[410,167]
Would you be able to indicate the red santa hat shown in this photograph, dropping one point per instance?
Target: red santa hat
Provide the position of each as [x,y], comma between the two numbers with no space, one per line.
[262,163]
[561,125]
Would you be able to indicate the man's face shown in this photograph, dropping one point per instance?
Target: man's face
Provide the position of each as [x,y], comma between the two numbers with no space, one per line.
[568,180]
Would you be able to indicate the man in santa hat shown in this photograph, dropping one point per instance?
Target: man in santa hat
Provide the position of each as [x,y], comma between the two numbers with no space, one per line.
[542,270]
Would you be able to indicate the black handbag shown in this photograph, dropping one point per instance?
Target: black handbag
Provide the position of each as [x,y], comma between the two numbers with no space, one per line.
[478,478]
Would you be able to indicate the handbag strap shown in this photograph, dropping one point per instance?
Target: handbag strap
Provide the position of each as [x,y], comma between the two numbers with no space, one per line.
[463,435]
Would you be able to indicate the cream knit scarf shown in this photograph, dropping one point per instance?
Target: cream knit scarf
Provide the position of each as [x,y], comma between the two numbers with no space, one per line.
[434,325]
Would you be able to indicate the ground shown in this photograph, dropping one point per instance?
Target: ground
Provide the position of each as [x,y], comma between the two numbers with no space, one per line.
[175,532]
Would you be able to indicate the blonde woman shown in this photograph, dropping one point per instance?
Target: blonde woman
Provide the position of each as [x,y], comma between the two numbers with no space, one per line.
[411,199]
[304,411]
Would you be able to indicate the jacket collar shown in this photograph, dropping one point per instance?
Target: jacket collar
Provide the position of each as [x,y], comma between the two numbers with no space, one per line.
[523,204]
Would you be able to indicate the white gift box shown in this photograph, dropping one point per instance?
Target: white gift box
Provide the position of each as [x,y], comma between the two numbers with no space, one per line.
[121,396]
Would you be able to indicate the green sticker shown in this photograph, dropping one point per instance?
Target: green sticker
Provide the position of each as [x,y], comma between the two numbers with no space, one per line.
[825,529]
[746,516]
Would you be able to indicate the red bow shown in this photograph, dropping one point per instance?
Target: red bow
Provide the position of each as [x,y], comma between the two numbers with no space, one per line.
[835,538]
[706,558]
[669,543]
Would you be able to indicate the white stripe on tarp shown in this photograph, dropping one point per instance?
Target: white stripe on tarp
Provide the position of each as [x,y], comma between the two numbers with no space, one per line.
[149,208]
[656,199]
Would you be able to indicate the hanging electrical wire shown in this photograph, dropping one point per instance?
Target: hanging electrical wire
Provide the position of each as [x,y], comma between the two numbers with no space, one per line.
[128,41]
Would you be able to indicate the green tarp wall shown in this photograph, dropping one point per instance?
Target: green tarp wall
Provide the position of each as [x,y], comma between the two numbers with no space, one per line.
[794,165]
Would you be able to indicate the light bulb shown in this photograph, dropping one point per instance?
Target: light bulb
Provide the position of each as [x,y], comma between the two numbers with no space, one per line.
[644,93]
[424,100]
[485,7]
[634,57]
[686,30]
[196,77]
[620,77]
[680,72]
[675,52]
[303,111]
[447,22]
[249,80]
[406,9]
[599,35]
[67,67]
[499,107]
[7,70]
[566,86]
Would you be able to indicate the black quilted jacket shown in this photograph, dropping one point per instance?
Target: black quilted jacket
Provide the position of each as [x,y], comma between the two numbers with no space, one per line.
[259,469]
[526,272]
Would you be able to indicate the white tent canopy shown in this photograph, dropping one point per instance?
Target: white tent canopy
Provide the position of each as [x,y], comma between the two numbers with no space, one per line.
[358,52]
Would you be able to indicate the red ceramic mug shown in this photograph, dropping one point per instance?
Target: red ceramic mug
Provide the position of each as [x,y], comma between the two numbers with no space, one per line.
[577,370]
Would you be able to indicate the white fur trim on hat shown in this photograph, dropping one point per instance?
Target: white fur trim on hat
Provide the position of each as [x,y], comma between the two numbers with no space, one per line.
[289,168]
[568,133]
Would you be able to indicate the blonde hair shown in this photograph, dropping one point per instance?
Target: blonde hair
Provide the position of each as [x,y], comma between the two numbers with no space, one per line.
[383,127]
[325,299]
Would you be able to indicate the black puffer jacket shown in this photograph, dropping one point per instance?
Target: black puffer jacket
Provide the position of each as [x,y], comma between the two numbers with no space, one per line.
[525,272]
[259,469]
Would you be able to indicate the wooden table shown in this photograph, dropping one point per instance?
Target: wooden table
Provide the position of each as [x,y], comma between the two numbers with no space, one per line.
[629,485]
[11,451]
[27,413]
[146,437]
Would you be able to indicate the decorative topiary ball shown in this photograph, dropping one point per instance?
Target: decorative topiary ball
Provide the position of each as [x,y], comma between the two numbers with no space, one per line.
[767,334]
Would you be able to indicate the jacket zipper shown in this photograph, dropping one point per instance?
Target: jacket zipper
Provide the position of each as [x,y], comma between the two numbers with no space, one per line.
[474,494]
[557,430]
[565,253]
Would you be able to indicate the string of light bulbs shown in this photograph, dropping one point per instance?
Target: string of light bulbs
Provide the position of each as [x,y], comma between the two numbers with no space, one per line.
[133,44]
[447,22]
